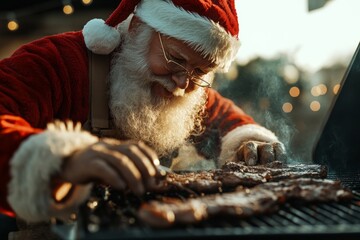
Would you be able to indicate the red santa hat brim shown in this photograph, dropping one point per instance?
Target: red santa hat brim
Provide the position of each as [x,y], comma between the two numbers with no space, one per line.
[203,34]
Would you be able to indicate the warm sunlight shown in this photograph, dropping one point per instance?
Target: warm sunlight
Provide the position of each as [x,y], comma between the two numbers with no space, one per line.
[311,39]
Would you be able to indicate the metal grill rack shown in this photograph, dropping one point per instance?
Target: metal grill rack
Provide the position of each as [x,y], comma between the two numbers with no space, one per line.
[292,220]
[350,179]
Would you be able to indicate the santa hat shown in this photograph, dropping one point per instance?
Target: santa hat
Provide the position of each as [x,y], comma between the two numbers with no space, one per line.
[209,26]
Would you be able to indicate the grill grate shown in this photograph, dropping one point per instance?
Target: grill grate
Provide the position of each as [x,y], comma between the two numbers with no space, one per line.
[348,178]
[292,220]
[328,220]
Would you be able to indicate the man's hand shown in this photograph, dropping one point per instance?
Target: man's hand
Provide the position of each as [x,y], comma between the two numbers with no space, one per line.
[255,152]
[119,164]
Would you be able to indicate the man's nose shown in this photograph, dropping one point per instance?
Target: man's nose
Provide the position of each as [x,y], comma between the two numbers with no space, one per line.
[181,80]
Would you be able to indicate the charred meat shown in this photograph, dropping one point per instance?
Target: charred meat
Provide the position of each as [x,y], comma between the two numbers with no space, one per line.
[235,174]
[244,202]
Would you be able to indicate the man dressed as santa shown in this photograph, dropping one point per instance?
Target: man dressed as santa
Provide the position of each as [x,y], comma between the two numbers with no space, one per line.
[163,56]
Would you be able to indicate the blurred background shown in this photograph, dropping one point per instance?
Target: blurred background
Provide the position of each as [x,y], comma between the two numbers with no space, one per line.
[292,59]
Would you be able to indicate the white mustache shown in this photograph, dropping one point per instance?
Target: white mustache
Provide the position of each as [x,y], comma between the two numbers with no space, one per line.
[170,86]
[178,92]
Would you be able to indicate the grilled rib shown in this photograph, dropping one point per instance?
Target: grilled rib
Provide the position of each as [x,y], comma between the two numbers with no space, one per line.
[277,171]
[308,190]
[235,174]
[243,203]
[171,211]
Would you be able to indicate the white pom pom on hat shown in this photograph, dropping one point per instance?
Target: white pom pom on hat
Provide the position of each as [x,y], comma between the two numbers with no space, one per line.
[99,37]
[102,37]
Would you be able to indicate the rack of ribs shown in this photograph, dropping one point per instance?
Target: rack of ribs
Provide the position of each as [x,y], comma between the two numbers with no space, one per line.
[232,175]
[242,203]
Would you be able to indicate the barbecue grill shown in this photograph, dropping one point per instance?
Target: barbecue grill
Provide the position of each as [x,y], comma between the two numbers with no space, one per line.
[332,220]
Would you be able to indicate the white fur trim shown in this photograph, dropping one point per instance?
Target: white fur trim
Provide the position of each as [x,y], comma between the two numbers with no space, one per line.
[232,141]
[33,164]
[99,37]
[201,33]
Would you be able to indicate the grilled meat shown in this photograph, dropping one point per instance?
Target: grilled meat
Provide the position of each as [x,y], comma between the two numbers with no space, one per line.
[235,174]
[242,203]
[308,190]
[277,170]
[191,182]
[207,181]
[235,191]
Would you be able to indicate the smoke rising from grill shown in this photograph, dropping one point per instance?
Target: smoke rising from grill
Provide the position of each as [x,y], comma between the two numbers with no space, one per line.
[260,89]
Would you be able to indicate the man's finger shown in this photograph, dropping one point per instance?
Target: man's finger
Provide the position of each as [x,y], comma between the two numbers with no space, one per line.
[250,153]
[140,159]
[143,162]
[240,154]
[266,153]
[125,167]
[280,152]
[144,157]
[151,154]
[101,171]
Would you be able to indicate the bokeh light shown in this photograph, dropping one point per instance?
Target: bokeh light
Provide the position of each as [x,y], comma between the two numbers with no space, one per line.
[294,91]
[315,106]
[68,9]
[336,89]
[287,107]
[13,25]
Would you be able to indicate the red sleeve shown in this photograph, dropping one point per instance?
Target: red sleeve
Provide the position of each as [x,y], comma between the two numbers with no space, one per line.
[223,114]
[13,130]
[222,117]
[44,80]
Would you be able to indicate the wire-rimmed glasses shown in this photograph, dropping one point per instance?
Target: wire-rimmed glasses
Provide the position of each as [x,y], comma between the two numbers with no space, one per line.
[180,69]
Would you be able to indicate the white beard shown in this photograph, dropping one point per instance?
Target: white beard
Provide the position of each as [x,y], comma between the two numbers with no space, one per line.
[164,124]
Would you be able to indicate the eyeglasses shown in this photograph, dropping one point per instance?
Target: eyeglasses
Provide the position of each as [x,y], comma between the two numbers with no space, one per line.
[180,69]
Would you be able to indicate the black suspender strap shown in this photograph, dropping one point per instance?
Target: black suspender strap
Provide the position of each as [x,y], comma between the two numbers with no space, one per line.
[99,66]
[99,120]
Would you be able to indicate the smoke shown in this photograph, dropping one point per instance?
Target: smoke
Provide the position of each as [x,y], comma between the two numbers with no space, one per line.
[271,89]
[260,90]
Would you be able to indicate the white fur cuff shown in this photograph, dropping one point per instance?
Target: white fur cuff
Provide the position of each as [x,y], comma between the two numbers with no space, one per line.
[32,166]
[232,141]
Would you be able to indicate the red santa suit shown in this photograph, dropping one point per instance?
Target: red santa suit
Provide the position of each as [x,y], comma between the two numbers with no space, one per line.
[48,80]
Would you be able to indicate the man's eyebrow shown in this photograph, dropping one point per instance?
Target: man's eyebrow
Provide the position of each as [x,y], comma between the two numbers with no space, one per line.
[175,49]
[211,67]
